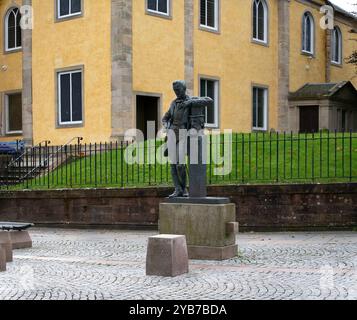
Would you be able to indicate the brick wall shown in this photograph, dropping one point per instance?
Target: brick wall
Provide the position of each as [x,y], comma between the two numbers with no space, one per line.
[262,207]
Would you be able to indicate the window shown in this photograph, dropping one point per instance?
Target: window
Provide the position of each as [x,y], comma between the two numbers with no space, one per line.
[260,21]
[12,30]
[308,33]
[159,6]
[210,88]
[68,8]
[260,108]
[13,105]
[209,14]
[336,46]
[70,102]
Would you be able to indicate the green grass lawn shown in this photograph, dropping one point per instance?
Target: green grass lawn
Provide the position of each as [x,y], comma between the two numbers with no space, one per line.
[255,158]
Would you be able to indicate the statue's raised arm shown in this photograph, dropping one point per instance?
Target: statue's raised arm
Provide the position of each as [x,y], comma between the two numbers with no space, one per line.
[197,111]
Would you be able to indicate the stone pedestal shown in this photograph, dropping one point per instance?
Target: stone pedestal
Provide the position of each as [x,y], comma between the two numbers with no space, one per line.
[5,241]
[210,229]
[167,256]
[20,239]
[2,258]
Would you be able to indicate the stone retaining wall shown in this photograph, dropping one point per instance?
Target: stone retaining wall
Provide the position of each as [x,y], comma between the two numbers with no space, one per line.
[259,207]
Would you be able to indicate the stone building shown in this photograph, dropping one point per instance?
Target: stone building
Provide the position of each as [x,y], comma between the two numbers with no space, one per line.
[94,68]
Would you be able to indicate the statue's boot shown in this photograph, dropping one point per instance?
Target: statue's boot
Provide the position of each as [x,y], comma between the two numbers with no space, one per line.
[181,170]
[175,178]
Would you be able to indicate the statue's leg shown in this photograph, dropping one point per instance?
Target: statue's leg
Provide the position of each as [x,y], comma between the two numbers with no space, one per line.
[176,180]
[181,169]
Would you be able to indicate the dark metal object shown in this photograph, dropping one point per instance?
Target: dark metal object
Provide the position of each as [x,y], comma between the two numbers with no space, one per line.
[16,226]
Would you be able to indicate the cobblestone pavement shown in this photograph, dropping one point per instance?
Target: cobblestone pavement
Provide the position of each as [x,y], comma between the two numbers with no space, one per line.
[98,264]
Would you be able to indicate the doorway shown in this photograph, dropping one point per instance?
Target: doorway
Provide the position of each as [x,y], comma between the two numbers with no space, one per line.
[309,119]
[147,109]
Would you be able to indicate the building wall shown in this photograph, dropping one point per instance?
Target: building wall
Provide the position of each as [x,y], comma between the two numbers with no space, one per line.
[158,51]
[11,78]
[81,41]
[345,71]
[305,68]
[232,57]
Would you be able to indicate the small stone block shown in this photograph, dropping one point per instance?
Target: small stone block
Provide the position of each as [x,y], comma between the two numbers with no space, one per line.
[20,239]
[2,258]
[167,256]
[232,227]
[5,240]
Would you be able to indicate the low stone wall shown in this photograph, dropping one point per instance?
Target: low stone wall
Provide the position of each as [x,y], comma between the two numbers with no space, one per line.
[259,207]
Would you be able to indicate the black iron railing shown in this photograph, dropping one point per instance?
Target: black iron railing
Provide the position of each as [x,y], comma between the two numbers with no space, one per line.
[250,158]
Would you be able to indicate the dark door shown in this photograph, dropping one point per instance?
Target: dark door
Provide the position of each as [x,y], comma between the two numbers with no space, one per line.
[309,119]
[146,110]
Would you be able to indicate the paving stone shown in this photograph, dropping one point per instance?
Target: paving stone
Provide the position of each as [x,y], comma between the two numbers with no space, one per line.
[102,264]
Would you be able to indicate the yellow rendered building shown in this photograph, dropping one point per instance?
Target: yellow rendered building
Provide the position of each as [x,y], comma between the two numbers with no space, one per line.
[93,69]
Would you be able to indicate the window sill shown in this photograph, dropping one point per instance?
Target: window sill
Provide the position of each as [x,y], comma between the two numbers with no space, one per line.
[308,54]
[208,29]
[158,15]
[12,51]
[336,64]
[259,42]
[66,18]
[13,134]
[70,125]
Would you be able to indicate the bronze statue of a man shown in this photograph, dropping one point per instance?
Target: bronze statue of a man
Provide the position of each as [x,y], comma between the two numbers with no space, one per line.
[177,118]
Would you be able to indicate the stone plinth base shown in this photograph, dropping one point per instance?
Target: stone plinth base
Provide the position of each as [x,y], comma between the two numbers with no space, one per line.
[2,258]
[20,239]
[167,256]
[210,229]
[212,253]
[5,241]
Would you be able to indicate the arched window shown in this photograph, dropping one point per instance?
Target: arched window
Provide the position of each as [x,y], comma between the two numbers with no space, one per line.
[308,33]
[260,21]
[336,45]
[12,29]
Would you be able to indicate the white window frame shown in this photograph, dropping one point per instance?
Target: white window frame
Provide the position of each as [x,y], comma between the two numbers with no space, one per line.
[7,113]
[216,17]
[308,15]
[60,122]
[334,44]
[167,14]
[266,26]
[216,102]
[266,97]
[70,14]
[7,49]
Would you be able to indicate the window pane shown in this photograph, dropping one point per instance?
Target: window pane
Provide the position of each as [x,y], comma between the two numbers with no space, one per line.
[255,107]
[211,14]
[203,12]
[261,22]
[203,88]
[152,5]
[210,93]
[15,112]
[77,96]
[64,7]
[75,6]
[163,6]
[65,97]
[11,30]
[308,34]
[261,104]
[255,17]
[18,30]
